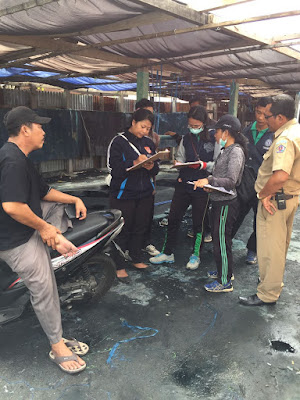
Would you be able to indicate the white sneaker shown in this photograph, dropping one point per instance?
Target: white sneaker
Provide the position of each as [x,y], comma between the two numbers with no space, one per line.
[162,258]
[151,250]
[193,263]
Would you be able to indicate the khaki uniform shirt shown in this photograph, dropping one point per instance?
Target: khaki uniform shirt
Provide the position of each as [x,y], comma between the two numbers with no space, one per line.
[284,154]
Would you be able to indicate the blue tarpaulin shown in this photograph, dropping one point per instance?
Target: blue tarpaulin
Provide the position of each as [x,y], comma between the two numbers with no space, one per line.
[104,85]
[6,72]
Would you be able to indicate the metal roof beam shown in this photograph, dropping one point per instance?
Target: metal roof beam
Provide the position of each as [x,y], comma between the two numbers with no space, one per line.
[176,10]
[204,5]
[143,19]
[26,5]
[88,51]
[122,25]
[209,72]
[227,51]
[291,36]
[63,47]
[240,32]
[109,43]
[213,80]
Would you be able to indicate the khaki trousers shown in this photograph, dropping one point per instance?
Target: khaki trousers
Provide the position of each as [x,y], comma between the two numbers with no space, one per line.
[273,239]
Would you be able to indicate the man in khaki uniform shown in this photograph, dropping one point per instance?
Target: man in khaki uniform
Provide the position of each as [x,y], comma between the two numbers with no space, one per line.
[279,171]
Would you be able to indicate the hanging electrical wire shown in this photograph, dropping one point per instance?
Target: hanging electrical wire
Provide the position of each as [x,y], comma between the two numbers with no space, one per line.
[159,96]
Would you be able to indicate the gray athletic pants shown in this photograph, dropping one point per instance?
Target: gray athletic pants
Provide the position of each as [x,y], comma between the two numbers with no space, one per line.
[31,261]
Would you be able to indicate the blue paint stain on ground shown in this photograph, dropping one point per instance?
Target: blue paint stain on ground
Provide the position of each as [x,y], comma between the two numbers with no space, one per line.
[137,329]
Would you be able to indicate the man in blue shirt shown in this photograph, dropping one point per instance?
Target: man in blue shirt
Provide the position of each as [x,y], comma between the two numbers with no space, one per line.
[260,138]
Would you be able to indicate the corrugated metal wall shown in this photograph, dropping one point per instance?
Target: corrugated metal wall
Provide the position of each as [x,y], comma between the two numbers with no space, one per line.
[81,102]
[16,97]
[57,166]
[80,164]
[68,150]
[50,99]
[46,99]
[52,166]
[125,105]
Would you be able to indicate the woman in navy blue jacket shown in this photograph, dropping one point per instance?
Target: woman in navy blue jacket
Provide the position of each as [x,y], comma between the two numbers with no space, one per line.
[197,145]
[132,191]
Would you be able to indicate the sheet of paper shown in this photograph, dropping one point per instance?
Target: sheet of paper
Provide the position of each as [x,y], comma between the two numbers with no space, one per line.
[161,155]
[182,165]
[215,188]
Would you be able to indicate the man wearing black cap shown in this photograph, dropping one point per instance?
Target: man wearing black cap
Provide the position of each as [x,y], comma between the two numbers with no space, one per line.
[24,234]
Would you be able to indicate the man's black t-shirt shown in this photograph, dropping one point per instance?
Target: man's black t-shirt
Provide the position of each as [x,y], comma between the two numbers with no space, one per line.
[19,182]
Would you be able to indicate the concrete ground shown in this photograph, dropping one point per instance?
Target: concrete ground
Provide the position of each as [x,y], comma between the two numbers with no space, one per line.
[164,337]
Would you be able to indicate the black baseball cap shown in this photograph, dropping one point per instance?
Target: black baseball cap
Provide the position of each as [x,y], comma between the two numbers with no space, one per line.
[228,121]
[19,116]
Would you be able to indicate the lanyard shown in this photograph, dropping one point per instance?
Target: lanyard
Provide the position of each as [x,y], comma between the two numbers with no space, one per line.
[196,153]
[259,135]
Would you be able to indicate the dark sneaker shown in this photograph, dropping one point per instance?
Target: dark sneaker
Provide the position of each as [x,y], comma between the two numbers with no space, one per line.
[251,257]
[164,222]
[214,275]
[207,238]
[217,287]
[190,233]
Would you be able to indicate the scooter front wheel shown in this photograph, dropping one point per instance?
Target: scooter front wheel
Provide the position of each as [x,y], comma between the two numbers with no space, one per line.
[103,269]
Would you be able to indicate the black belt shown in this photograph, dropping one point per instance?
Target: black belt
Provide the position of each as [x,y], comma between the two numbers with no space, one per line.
[286,196]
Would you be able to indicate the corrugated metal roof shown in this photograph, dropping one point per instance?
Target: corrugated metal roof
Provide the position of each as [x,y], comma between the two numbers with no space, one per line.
[112,38]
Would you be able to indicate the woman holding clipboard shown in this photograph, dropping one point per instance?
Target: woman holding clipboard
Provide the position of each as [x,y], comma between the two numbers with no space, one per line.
[227,173]
[197,149]
[131,188]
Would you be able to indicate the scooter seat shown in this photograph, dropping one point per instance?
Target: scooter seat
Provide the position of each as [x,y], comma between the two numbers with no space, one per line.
[89,227]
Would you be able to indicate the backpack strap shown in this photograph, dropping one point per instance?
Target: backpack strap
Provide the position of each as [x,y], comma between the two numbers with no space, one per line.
[131,144]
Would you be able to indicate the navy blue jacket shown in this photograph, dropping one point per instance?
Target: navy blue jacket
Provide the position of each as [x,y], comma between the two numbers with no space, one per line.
[192,149]
[256,151]
[120,156]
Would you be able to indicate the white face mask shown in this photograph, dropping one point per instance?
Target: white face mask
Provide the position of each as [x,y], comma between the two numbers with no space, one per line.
[222,142]
[196,131]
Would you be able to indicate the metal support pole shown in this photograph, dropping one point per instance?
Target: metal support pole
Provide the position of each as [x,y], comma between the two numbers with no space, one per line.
[120,102]
[67,99]
[142,84]
[234,98]
[33,97]
[297,104]
[173,105]
[70,169]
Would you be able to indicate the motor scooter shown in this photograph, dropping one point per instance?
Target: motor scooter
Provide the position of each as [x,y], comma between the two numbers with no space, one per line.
[85,276]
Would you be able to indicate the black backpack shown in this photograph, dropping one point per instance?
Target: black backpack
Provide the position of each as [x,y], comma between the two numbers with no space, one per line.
[245,190]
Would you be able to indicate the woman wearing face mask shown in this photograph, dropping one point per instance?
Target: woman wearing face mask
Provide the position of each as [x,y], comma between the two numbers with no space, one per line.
[227,173]
[197,145]
[131,191]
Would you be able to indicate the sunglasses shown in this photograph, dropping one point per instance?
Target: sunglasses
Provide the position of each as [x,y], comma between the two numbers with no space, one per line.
[269,116]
